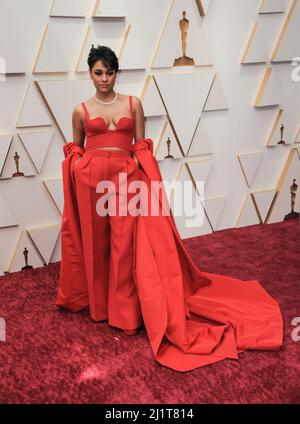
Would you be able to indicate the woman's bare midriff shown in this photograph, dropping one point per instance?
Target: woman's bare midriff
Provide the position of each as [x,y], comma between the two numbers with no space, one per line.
[110,148]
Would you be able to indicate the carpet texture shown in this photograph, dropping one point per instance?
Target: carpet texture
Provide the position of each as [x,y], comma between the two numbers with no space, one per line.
[53,356]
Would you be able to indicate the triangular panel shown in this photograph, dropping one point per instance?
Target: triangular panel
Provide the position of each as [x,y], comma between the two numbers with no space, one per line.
[268,94]
[249,163]
[200,144]
[18,163]
[171,47]
[37,145]
[214,209]
[25,255]
[288,44]
[216,99]
[7,218]
[110,9]
[272,6]
[248,214]
[55,190]
[152,103]
[282,206]
[263,200]
[192,221]
[185,95]
[5,143]
[68,8]
[50,56]
[44,239]
[33,112]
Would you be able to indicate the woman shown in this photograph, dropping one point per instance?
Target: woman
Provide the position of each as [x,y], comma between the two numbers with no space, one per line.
[109,120]
[133,269]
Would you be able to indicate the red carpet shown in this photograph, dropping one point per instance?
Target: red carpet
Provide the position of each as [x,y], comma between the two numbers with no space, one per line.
[52,356]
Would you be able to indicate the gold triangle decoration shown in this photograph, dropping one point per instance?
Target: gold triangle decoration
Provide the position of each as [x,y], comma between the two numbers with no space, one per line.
[263,199]
[44,239]
[54,187]
[268,94]
[33,112]
[152,102]
[17,163]
[169,170]
[50,57]
[203,6]
[214,208]
[154,128]
[37,145]
[289,31]
[280,130]
[200,144]
[168,147]
[256,49]
[5,143]
[200,170]
[195,222]
[183,41]
[248,214]
[281,208]
[25,256]
[249,163]
[216,99]
[60,107]
[184,94]
[272,6]
[56,254]
[297,138]
[115,42]
[67,9]
[7,219]
[110,9]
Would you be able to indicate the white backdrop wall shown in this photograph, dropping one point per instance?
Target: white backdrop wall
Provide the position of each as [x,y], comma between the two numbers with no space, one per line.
[223,115]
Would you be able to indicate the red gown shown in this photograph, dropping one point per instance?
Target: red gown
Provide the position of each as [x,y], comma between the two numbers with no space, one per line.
[192,318]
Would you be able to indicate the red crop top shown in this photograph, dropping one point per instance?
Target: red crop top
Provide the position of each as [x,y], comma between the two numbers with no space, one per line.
[99,135]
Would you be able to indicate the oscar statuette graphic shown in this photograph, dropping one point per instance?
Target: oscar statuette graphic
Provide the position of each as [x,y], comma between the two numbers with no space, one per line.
[281,138]
[293,191]
[17,160]
[25,253]
[184,60]
[169,156]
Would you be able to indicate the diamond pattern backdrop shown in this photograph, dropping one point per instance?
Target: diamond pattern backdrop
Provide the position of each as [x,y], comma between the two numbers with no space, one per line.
[220,108]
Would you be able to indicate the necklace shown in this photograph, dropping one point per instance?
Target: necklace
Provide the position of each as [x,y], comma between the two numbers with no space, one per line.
[106,103]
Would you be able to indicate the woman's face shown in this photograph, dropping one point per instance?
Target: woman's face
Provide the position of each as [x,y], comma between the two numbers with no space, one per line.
[103,78]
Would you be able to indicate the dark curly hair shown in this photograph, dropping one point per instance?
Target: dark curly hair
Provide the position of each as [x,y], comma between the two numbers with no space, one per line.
[105,54]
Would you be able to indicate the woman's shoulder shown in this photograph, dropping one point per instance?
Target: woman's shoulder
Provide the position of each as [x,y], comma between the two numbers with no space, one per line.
[135,100]
[85,103]
[79,109]
[126,97]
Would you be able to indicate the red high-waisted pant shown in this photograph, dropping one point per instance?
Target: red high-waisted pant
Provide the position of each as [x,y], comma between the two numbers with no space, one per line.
[108,240]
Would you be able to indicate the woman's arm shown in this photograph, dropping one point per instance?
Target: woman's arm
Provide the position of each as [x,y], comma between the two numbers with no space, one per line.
[139,121]
[78,128]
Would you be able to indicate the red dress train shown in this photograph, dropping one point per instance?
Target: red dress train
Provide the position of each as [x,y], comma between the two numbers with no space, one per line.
[192,318]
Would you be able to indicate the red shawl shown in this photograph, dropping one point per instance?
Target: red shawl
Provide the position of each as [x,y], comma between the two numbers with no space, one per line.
[192,318]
